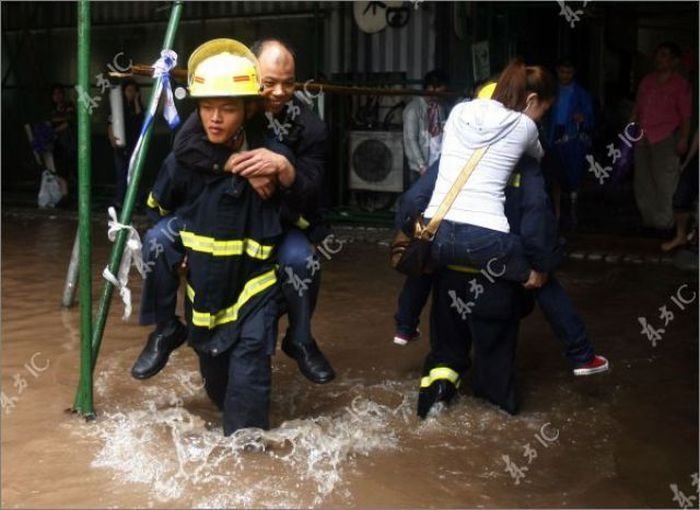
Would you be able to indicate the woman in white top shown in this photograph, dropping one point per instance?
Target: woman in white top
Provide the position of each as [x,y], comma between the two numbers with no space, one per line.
[475,231]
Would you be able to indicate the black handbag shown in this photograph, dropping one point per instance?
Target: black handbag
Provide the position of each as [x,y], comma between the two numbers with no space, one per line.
[410,255]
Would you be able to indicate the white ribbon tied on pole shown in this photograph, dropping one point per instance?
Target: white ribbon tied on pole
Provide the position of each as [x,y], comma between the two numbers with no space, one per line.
[161,69]
[131,255]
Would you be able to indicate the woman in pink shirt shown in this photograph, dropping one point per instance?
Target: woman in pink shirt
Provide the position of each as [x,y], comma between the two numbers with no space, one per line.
[663,109]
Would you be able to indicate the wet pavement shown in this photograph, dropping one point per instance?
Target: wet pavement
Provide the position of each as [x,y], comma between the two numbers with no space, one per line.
[620,439]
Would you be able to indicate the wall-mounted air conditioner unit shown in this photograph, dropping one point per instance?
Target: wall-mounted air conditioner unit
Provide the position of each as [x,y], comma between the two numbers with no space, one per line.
[376,161]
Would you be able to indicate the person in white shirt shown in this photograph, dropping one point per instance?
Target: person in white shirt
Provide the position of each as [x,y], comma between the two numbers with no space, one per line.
[475,231]
[423,123]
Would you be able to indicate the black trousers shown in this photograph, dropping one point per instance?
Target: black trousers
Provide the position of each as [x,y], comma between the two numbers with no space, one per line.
[490,324]
[238,380]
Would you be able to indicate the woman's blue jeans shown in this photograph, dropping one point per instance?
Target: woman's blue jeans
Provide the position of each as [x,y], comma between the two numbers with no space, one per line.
[500,254]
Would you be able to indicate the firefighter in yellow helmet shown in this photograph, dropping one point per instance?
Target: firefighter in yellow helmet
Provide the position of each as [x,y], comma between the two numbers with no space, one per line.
[222,73]
[490,318]
[229,235]
[288,120]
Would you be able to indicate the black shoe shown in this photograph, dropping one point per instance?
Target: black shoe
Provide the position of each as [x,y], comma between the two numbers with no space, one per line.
[161,343]
[312,363]
[441,390]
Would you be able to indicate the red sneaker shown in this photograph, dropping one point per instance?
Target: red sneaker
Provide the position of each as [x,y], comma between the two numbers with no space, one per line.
[404,339]
[596,365]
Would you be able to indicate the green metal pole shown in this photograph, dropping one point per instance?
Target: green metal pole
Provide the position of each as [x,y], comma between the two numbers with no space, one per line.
[83,398]
[125,217]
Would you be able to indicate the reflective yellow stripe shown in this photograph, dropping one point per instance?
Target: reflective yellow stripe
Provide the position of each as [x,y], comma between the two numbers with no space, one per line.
[445,373]
[438,373]
[250,289]
[464,269]
[223,248]
[153,204]
[514,180]
[302,223]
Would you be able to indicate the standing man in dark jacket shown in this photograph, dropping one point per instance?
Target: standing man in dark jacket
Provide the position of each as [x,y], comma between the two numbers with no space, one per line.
[288,121]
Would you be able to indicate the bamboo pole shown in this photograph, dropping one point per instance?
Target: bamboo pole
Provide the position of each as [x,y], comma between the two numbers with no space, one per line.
[312,87]
[83,398]
[135,168]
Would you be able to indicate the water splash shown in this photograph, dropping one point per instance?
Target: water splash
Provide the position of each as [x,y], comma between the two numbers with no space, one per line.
[299,463]
[163,437]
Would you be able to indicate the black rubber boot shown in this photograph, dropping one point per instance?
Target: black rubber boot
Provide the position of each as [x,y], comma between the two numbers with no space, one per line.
[441,390]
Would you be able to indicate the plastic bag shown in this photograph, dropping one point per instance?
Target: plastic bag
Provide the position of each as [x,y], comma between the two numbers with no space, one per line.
[50,192]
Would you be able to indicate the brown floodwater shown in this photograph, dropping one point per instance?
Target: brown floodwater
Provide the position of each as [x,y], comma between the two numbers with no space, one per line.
[619,439]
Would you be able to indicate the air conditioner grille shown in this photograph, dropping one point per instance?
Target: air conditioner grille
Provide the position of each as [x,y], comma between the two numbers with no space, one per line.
[376,161]
[372,160]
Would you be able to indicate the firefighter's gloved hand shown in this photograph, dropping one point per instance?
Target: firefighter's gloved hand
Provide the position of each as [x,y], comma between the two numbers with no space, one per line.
[440,390]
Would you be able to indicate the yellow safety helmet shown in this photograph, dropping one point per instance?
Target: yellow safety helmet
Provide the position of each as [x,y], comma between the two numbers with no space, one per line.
[223,68]
[487,90]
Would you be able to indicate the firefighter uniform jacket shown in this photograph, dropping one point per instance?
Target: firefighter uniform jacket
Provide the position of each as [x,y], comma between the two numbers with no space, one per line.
[230,235]
[301,132]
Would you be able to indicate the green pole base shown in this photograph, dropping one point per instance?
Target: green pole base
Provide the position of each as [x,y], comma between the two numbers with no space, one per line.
[87,415]
[83,404]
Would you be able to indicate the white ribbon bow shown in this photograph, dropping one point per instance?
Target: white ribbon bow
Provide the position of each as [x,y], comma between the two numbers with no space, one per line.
[131,255]
[161,69]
